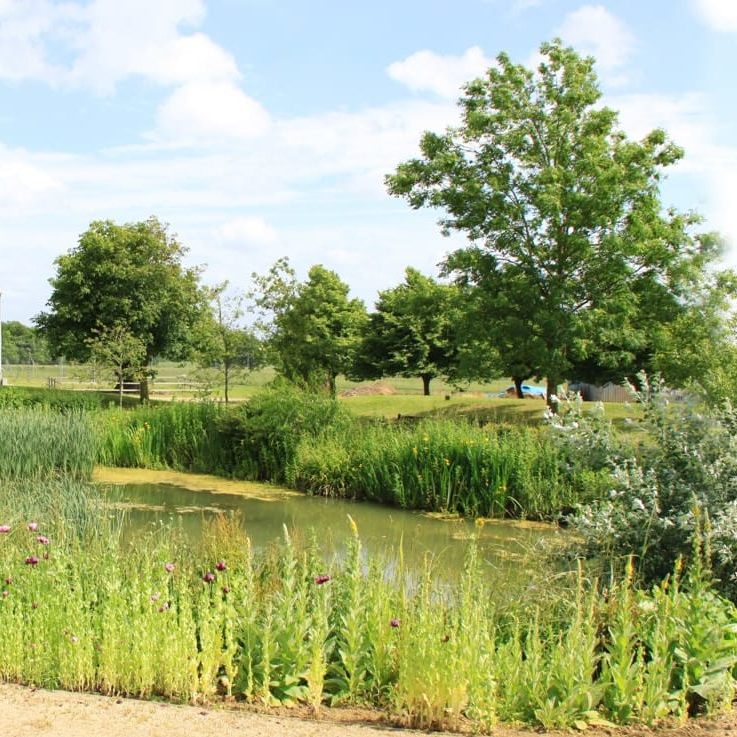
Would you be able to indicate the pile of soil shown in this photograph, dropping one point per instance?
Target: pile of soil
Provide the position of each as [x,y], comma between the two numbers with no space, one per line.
[377,389]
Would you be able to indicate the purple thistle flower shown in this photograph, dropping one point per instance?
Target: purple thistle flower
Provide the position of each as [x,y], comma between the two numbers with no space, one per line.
[5,529]
[209,577]
[321,579]
[220,565]
[394,624]
[42,539]
[33,526]
[169,567]
[31,560]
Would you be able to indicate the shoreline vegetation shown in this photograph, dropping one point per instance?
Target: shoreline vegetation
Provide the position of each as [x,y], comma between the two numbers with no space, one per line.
[82,610]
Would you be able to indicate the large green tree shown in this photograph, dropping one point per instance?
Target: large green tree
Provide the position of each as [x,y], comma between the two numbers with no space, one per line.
[412,332]
[314,326]
[127,275]
[562,210]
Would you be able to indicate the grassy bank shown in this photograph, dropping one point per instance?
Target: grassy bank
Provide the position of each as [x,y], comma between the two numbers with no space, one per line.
[314,444]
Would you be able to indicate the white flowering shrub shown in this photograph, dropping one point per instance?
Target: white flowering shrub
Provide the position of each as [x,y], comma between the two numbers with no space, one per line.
[681,478]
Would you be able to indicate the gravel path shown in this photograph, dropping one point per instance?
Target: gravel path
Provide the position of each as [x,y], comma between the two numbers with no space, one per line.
[28,712]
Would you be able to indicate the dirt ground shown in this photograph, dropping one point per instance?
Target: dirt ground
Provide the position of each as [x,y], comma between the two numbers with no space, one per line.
[30,712]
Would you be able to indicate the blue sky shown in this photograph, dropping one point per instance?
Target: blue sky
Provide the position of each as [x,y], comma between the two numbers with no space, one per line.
[263,128]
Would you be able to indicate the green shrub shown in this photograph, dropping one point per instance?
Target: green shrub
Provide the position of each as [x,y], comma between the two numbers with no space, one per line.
[680,481]
[59,400]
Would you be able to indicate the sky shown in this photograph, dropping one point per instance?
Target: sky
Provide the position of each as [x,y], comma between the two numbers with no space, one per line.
[264,128]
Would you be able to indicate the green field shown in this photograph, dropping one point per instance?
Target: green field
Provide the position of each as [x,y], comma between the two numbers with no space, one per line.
[176,381]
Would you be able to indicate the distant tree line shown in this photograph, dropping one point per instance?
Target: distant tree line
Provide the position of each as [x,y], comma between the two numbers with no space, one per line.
[24,345]
[573,267]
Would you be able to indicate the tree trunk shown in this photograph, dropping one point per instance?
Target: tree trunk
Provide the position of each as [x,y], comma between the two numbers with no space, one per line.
[120,386]
[426,379]
[226,371]
[552,391]
[518,386]
[143,384]
[331,385]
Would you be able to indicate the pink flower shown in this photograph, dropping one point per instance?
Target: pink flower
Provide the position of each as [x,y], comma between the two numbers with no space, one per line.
[33,526]
[4,529]
[323,578]
[209,577]
[169,567]
[31,560]
[394,624]
[220,565]
[42,539]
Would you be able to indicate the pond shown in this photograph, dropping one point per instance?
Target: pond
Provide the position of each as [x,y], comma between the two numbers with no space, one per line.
[189,500]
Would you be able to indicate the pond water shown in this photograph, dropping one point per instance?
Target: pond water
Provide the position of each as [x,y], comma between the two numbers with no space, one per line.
[189,500]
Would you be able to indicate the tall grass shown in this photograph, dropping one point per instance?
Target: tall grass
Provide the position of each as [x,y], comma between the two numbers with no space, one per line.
[497,470]
[286,627]
[185,436]
[40,443]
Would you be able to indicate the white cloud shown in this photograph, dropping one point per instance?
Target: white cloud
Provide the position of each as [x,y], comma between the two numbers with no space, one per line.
[720,15]
[443,75]
[709,166]
[209,111]
[593,30]
[250,230]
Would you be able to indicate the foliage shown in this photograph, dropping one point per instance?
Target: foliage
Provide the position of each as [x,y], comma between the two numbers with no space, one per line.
[314,328]
[117,348]
[411,333]
[128,274]
[59,400]
[223,342]
[266,432]
[562,210]
[679,484]
[23,344]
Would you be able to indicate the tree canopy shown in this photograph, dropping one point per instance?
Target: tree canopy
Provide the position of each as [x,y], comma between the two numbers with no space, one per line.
[127,275]
[314,327]
[411,333]
[569,241]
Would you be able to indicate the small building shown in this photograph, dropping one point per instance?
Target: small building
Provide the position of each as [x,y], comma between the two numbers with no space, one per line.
[609,392]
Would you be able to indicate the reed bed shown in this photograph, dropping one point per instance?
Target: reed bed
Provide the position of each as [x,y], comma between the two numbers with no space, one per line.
[184,436]
[41,443]
[286,627]
[311,444]
[497,470]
